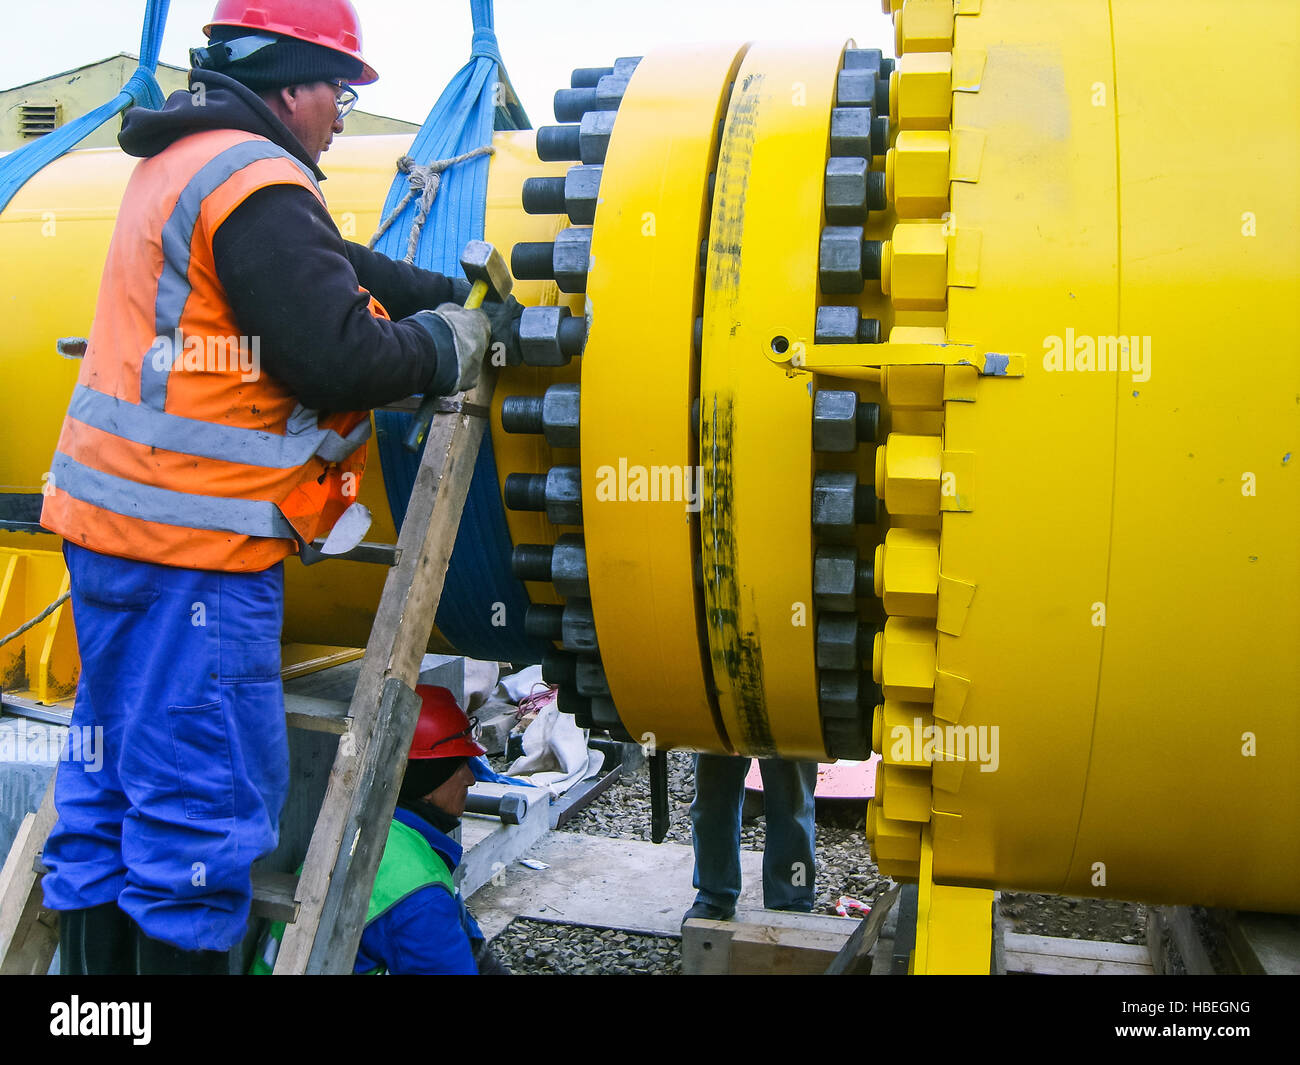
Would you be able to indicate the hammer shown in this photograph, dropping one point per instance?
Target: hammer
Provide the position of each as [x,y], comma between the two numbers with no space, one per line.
[484,266]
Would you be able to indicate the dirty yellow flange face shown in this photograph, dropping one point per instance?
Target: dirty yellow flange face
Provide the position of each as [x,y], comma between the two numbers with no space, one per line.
[756,417]
[639,453]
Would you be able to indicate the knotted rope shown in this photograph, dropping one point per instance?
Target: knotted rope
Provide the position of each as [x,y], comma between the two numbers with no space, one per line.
[423,179]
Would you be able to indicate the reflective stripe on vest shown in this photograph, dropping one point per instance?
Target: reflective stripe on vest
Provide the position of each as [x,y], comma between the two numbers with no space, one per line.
[312,466]
[147,502]
[191,436]
[177,239]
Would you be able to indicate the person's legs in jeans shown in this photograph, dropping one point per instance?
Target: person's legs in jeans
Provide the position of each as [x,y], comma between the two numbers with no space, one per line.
[182,671]
[788,856]
[715,829]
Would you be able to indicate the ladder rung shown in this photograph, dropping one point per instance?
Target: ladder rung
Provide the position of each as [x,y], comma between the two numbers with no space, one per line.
[273,895]
[316,715]
[381,554]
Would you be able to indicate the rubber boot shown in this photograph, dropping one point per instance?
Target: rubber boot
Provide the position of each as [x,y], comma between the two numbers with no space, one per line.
[96,942]
[153,957]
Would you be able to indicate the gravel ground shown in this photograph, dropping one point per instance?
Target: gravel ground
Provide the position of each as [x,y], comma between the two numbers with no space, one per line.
[539,948]
[844,867]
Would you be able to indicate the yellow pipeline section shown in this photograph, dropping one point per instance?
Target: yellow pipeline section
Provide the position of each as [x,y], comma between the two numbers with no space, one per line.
[1085,577]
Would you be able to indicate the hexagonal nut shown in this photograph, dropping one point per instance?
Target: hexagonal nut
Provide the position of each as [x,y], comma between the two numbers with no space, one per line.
[918,268]
[593,135]
[851,131]
[564,495]
[609,92]
[571,259]
[838,693]
[855,88]
[908,471]
[834,503]
[846,738]
[835,421]
[569,567]
[581,190]
[919,163]
[561,407]
[838,645]
[578,627]
[924,26]
[862,58]
[836,325]
[846,190]
[835,576]
[539,336]
[589,675]
[924,95]
[840,260]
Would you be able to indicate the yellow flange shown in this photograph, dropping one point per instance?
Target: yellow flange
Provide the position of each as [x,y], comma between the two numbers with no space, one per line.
[639,450]
[756,418]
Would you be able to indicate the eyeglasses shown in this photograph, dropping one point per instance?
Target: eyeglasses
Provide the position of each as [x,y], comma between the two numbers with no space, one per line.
[474,732]
[345,98]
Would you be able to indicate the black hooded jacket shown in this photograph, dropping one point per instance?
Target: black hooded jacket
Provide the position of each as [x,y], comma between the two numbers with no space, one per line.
[293,281]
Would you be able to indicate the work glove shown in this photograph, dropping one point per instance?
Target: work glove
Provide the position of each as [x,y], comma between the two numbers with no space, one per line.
[504,316]
[470,332]
[460,290]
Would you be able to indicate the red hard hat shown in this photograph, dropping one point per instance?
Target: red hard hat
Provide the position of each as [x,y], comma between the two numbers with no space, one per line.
[329,23]
[443,730]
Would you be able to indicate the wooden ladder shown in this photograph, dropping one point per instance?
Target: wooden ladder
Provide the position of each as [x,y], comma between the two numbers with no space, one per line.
[325,909]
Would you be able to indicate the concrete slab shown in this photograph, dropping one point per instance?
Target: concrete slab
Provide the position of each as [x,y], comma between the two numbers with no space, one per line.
[605,883]
[490,846]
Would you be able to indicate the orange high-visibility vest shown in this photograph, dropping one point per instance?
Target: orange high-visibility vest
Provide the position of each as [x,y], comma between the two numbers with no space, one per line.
[176,448]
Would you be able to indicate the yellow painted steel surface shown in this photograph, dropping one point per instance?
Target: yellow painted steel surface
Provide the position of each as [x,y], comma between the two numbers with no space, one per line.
[756,420]
[641,532]
[1089,591]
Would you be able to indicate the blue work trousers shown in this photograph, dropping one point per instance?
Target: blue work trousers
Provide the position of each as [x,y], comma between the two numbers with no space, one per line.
[181,671]
[788,855]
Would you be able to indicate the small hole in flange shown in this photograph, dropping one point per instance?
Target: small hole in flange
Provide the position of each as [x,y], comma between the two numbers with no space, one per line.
[780,345]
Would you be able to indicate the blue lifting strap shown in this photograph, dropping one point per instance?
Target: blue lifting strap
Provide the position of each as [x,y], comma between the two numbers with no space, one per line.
[141,89]
[482,608]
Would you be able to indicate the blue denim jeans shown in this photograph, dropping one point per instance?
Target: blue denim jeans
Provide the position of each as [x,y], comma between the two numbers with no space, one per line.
[180,670]
[788,855]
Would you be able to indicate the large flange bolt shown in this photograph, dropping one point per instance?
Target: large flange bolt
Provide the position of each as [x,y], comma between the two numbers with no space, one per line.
[840,504]
[550,336]
[840,578]
[840,325]
[563,563]
[605,95]
[574,194]
[846,261]
[554,414]
[571,624]
[558,492]
[586,141]
[841,421]
[564,261]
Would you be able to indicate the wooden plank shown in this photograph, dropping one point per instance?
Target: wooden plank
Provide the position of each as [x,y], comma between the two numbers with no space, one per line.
[316,715]
[769,950]
[28,932]
[273,895]
[706,947]
[339,870]
[1055,956]
[855,957]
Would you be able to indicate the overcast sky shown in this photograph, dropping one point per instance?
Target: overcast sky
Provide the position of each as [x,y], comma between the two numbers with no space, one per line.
[417,47]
